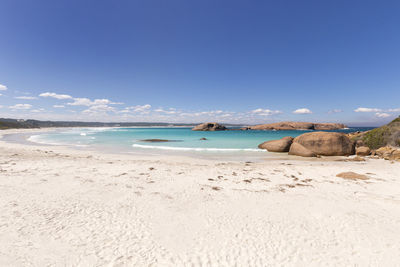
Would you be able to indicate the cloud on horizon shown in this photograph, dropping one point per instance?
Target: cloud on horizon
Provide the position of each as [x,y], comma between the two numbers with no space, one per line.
[265,112]
[367,110]
[21,106]
[54,95]
[3,87]
[26,97]
[382,115]
[302,111]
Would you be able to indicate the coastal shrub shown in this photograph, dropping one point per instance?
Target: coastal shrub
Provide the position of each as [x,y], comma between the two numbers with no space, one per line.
[396,120]
[377,138]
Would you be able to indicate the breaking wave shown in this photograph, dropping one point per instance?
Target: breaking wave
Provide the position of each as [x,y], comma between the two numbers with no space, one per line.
[198,148]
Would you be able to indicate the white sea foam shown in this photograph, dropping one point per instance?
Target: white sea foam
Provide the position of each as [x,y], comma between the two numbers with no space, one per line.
[38,139]
[83,134]
[198,148]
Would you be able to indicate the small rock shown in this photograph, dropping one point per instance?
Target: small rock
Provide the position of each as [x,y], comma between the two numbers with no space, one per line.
[363,151]
[352,176]
[357,158]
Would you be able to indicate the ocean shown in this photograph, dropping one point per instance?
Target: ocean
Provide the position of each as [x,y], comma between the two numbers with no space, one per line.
[181,140]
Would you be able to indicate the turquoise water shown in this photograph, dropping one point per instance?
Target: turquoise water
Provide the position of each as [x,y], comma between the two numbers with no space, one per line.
[183,139]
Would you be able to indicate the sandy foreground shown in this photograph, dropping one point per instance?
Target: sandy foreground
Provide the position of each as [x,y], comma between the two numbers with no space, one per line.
[64,207]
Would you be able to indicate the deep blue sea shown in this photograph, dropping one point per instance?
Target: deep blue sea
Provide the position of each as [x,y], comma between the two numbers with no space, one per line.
[183,139]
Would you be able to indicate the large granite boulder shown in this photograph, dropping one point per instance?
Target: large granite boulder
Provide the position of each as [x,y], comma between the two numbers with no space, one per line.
[299,150]
[282,145]
[325,143]
[209,126]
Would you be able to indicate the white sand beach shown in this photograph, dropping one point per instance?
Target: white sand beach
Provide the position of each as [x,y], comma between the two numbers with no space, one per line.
[65,207]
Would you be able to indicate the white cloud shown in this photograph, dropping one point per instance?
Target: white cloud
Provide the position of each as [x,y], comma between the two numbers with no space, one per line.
[141,108]
[335,111]
[302,111]
[21,106]
[394,110]
[382,115]
[0,94]
[265,112]
[54,95]
[87,102]
[169,111]
[99,109]
[3,87]
[367,110]
[38,110]
[58,106]
[81,102]
[26,97]
[138,108]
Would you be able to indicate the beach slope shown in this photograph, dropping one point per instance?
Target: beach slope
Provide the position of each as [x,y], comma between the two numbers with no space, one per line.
[74,208]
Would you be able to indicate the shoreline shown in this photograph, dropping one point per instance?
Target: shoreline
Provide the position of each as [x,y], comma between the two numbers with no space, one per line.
[63,206]
[22,136]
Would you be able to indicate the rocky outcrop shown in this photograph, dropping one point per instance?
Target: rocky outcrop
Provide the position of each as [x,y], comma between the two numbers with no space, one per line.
[328,126]
[209,126]
[282,145]
[299,150]
[387,135]
[388,153]
[363,151]
[324,144]
[289,125]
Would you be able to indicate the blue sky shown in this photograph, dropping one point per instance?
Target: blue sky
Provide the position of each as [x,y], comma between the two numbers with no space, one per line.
[193,61]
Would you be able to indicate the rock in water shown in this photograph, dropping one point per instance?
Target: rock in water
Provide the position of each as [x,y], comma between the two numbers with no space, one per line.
[158,140]
[282,145]
[291,125]
[209,126]
[363,151]
[299,150]
[326,143]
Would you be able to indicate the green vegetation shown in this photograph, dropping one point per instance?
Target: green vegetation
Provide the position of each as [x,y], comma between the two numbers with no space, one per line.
[383,136]
[377,138]
[395,120]
[8,125]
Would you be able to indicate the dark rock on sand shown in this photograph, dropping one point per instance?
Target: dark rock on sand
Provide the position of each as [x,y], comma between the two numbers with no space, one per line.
[209,126]
[282,145]
[352,176]
[203,138]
